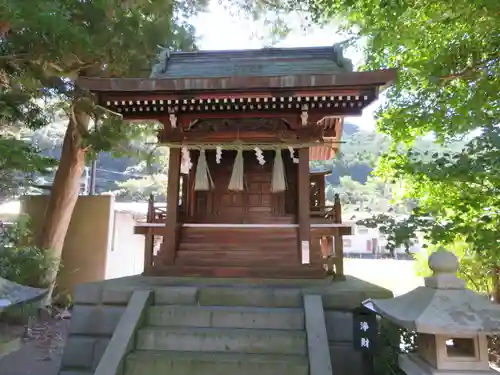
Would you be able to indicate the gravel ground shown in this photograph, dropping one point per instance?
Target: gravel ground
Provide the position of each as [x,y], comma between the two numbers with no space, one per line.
[41,351]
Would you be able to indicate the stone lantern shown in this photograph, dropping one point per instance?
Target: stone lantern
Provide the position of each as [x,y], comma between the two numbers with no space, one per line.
[451,322]
[15,296]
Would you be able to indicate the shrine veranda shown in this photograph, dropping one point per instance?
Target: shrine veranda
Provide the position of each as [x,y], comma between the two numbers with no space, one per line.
[242,127]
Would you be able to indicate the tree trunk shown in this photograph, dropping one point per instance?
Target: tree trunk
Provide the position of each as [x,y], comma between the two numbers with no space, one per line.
[65,191]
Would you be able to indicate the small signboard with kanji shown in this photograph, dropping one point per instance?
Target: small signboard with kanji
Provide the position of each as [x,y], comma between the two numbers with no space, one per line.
[364,329]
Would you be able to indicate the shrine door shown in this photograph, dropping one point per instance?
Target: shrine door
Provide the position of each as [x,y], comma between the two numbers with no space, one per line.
[255,204]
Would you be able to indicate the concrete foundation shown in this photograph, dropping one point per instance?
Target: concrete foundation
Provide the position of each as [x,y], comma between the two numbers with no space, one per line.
[188,310]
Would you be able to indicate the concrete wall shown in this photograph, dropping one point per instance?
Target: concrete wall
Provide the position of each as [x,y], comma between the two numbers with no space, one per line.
[86,246]
[126,251]
[345,360]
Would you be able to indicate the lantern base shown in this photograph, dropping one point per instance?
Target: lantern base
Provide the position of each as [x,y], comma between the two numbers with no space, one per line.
[412,364]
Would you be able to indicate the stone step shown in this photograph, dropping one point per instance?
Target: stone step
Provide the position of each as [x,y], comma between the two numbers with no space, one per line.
[255,341]
[229,295]
[214,363]
[270,271]
[257,296]
[227,317]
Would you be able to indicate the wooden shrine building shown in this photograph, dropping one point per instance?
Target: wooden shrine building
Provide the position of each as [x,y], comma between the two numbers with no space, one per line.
[242,127]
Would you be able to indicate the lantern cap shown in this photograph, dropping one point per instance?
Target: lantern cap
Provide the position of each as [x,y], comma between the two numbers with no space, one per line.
[444,266]
[444,306]
[443,261]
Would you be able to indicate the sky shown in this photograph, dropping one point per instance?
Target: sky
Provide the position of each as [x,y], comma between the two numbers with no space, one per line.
[217,29]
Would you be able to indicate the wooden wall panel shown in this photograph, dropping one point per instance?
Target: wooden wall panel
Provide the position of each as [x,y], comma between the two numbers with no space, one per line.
[256,204]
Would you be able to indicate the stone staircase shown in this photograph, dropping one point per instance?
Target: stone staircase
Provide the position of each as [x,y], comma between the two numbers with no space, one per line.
[188,339]
[155,326]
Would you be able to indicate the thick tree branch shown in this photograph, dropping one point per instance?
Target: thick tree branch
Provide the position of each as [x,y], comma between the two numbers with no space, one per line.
[471,71]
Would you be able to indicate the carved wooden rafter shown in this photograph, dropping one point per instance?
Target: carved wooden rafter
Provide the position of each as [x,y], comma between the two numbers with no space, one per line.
[172,118]
[267,130]
[304,135]
[187,120]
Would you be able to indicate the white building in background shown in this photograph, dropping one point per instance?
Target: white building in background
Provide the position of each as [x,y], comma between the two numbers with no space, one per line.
[370,243]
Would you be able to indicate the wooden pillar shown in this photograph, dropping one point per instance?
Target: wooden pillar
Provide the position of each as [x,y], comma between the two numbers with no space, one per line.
[149,237]
[192,194]
[339,254]
[337,207]
[322,192]
[170,238]
[185,197]
[304,215]
[338,242]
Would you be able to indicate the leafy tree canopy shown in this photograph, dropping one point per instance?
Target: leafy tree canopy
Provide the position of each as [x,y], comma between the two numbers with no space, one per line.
[51,43]
[47,45]
[448,57]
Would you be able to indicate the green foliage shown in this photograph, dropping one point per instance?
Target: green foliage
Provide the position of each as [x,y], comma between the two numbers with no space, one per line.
[65,38]
[20,106]
[141,189]
[153,162]
[474,269]
[21,263]
[19,164]
[399,232]
[363,192]
[447,55]
[391,341]
[52,43]
[470,182]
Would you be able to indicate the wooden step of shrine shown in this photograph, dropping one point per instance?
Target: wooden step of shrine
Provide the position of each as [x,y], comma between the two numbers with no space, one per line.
[276,247]
[231,261]
[238,235]
[235,241]
[235,248]
[271,271]
[248,256]
[258,251]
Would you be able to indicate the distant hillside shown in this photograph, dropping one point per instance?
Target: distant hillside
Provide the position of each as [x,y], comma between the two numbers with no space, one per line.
[110,169]
[349,129]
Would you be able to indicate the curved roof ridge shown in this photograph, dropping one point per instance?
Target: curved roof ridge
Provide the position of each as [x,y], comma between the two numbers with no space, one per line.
[263,62]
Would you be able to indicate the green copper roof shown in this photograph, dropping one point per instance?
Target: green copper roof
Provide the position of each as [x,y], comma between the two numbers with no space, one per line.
[267,62]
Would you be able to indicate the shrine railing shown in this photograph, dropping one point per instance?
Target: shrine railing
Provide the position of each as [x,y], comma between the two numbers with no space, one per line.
[156,213]
[331,212]
[328,212]
[329,240]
